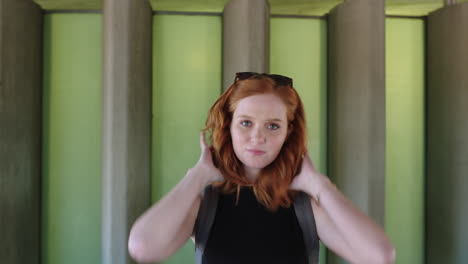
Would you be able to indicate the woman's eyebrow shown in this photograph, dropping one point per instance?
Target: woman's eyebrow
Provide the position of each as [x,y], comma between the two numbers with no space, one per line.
[245,116]
[249,117]
[274,119]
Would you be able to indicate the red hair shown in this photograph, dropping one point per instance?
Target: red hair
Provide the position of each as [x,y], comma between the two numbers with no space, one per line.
[272,183]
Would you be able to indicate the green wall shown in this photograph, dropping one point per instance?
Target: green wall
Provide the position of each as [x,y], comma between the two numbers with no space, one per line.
[186,82]
[71,198]
[298,49]
[187,67]
[405,137]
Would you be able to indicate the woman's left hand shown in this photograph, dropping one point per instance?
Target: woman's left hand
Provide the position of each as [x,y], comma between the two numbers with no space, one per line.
[341,226]
[309,180]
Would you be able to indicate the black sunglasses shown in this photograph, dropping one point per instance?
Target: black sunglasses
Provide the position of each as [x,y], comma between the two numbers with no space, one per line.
[279,79]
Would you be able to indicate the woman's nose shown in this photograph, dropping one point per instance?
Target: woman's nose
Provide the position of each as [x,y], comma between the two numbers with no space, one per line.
[258,136]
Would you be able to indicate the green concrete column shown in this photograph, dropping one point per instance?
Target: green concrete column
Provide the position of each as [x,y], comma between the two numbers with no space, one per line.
[20,130]
[356,106]
[447,140]
[246,38]
[126,135]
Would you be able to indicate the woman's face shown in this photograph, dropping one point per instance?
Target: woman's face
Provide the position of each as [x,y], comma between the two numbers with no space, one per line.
[258,130]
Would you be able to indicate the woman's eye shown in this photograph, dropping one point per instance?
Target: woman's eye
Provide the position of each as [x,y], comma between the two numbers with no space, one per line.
[245,123]
[273,126]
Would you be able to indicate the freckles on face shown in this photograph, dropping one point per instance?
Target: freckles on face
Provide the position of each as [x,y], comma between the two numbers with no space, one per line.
[258,129]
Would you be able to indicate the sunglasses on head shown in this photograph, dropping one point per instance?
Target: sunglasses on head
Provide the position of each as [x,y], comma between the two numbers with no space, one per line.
[279,79]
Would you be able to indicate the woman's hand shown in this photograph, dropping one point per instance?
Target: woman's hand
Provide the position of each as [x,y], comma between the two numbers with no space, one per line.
[309,180]
[205,167]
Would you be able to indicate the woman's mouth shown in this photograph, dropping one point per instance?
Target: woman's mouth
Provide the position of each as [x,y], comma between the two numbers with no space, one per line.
[256,152]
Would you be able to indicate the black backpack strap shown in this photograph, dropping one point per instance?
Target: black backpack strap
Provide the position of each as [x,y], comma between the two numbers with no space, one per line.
[205,219]
[305,217]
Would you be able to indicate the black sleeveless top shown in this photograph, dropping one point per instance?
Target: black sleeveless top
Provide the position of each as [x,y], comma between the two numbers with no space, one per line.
[249,233]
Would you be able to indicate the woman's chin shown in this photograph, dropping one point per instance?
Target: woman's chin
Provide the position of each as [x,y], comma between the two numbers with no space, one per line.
[256,165]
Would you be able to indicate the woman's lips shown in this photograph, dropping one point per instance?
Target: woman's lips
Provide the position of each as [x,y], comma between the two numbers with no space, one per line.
[256,151]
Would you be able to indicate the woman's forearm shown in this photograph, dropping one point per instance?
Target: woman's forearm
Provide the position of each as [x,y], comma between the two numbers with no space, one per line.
[364,236]
[154,234]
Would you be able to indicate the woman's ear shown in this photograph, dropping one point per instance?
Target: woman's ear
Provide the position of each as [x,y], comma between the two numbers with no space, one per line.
[290,128]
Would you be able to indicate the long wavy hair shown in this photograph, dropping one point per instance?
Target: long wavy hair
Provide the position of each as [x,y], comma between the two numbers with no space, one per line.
[271,186]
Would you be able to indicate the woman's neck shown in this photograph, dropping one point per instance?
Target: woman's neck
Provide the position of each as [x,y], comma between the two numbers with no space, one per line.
[251,174]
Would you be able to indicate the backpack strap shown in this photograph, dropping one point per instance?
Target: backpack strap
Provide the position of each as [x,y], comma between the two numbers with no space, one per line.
[205,219]
[305,217]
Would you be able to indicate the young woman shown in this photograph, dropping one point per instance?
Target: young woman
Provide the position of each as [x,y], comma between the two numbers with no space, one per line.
[258,160]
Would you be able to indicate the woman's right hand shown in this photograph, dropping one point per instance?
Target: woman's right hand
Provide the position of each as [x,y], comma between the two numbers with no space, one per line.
[205,167]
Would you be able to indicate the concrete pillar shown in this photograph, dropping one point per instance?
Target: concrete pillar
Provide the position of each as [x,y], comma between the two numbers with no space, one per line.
[356,104]
[447,140]
[20,130]
[126,123]
[246,38]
